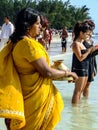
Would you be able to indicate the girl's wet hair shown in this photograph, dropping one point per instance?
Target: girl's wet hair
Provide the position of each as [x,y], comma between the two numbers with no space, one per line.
[81,27]
[25,18]
[91,23]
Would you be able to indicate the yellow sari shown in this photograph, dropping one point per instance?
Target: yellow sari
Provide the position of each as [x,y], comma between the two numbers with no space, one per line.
[11,98]
[42,101]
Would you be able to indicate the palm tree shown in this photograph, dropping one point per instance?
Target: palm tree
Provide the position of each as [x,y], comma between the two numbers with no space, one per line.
[81,13]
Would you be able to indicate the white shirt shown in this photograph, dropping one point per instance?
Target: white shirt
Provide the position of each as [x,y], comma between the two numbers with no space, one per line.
[7,30]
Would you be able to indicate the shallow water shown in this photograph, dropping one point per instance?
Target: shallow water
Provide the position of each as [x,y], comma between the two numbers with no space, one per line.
[84,115]
[80,117]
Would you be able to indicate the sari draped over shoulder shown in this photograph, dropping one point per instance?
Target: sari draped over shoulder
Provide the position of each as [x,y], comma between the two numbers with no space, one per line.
[42,102]
[11,98]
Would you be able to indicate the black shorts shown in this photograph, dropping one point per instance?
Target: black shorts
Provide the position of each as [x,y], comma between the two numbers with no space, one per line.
[64,42]
[80,72]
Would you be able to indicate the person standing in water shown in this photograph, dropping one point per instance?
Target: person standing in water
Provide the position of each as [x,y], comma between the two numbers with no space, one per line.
[43,103]
[64,35]
[80,59]
[92,60]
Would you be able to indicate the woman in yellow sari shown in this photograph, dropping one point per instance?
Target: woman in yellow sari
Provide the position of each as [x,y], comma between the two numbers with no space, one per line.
[42,101]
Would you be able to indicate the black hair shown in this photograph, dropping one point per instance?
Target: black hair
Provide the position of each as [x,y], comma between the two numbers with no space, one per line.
[81,27]
[25,18]
[6,16]
[91,23]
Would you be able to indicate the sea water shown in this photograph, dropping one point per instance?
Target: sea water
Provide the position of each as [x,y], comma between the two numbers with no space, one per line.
[84,116]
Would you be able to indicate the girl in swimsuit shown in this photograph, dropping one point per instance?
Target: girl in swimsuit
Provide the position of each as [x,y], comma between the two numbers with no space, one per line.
[80,60]
[92,60]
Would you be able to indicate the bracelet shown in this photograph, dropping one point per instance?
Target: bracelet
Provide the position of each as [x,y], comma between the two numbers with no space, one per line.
[66,74]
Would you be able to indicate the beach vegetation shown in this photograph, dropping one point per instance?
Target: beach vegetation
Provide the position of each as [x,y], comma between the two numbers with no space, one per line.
[59,13]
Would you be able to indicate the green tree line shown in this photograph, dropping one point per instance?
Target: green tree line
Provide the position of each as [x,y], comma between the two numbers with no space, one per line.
[58,13]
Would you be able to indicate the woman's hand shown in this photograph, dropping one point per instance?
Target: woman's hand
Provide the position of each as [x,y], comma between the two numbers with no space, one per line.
[71,74]
[92,49]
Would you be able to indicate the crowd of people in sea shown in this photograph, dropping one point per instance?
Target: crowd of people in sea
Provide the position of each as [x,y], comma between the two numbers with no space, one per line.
[29,100]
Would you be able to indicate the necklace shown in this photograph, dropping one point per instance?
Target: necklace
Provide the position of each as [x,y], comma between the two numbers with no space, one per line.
[29,36]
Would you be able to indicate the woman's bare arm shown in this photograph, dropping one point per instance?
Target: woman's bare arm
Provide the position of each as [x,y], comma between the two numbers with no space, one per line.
[77,50]
[46,71]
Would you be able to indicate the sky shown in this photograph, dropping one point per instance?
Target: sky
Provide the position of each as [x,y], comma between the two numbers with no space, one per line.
[93,9]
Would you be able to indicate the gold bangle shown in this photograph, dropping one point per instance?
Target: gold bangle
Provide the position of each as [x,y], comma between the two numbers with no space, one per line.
[66,74]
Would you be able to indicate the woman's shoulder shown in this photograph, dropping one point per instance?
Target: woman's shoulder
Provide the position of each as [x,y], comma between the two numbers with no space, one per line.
[21,44]
[27,42]
[75,44]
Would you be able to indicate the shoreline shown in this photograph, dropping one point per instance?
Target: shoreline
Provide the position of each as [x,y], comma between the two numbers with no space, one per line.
[56,48]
